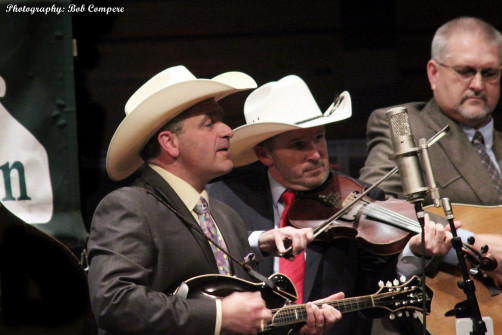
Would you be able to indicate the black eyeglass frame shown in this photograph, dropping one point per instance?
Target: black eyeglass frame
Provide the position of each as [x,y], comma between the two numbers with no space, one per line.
[468,72]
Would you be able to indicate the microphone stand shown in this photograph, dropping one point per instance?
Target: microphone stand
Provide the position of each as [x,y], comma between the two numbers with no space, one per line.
[421,220]
[423,147]
[467,285]
[417,198]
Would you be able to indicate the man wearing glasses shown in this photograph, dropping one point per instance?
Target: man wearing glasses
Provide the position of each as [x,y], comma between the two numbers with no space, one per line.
[464,74]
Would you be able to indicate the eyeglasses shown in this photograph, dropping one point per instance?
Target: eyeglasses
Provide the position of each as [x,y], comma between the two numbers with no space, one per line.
[466,73]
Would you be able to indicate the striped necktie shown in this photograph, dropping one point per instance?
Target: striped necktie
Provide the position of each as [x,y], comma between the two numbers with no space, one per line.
[479,143]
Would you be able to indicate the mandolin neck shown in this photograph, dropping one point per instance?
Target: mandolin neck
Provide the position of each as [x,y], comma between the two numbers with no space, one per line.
[294,314]
[392,298]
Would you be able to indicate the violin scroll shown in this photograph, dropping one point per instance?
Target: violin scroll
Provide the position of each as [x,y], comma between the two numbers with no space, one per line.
[479,260]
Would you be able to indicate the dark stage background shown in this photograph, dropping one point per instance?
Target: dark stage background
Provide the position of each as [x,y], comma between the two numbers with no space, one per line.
[377,50]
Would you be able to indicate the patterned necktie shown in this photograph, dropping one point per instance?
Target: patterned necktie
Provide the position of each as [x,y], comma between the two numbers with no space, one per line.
[479,143]
[295,270]
[207,223]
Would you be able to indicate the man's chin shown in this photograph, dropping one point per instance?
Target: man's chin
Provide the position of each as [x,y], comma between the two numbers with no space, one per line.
[475,115]
[224,168]
[314,182]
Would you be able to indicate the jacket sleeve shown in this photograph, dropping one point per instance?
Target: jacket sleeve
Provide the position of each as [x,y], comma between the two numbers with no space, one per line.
[123,256]
[380,148]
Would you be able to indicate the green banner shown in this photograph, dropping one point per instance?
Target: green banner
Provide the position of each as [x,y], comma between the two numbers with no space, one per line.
[39,176]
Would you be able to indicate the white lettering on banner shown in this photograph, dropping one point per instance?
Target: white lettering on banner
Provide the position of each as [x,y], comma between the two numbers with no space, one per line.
[25,183]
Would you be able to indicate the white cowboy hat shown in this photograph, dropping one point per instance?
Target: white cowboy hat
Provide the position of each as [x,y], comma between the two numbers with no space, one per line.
[280,106]
[159,100]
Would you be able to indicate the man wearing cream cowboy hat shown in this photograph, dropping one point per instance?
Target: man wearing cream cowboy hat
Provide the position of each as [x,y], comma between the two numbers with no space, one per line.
[147,239]
[285,132]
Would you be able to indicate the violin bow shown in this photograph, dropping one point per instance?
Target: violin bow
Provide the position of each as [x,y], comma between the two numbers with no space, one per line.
[323,226]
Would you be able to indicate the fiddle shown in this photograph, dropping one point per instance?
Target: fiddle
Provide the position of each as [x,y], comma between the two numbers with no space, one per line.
[382,227]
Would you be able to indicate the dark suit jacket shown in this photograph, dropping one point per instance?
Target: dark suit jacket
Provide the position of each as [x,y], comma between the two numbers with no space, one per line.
[140,251]
[458,171]
[330,267]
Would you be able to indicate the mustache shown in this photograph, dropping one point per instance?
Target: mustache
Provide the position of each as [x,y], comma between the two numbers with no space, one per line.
[472,94]
[313,166]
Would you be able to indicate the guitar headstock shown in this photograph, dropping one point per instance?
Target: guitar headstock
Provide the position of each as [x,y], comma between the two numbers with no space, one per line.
[409,295]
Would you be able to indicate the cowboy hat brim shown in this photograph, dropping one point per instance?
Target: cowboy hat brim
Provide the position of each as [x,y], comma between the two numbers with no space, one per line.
[123,157]
[247,136]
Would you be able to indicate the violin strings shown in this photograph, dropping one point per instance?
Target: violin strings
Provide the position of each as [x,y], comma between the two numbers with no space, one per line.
[393,217]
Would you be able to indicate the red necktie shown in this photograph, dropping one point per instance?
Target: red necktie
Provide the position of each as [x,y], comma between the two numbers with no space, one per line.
[295,270]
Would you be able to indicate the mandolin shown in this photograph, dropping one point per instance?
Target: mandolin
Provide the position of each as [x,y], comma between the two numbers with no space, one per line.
[481,220]
[393,298]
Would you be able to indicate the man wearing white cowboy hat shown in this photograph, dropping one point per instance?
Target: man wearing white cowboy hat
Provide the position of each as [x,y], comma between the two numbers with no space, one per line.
[284,130]
[147,239]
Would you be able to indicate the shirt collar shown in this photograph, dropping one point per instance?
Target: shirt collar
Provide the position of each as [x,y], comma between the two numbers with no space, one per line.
[185,191]
[276,188]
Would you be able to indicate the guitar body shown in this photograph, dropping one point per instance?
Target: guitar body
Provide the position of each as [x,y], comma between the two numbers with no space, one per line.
[480,220]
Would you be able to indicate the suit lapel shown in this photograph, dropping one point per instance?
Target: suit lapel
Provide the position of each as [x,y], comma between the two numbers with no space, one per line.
[165,192]
[497,146]
[459,150]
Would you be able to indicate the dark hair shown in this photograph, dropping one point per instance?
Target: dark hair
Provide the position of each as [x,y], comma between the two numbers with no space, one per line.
[152,148]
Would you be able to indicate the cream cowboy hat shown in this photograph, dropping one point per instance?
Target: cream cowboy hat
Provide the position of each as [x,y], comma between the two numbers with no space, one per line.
[280,106]
[159,100]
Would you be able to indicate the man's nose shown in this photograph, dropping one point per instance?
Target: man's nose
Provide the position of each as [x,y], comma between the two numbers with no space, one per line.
[314,152]
[225,130]
[477,82]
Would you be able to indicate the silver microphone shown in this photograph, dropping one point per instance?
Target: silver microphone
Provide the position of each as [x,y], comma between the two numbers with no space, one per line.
[406,154]
[429,174]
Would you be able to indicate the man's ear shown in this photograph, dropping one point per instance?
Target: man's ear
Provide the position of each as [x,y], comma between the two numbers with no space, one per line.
[169,143]
[264,155]
[432,70]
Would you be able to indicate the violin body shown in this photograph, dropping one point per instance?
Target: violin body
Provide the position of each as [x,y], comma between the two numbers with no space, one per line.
[382,227]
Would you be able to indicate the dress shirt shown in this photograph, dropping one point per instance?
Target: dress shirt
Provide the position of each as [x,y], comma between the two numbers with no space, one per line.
[276,190]
[487,132]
